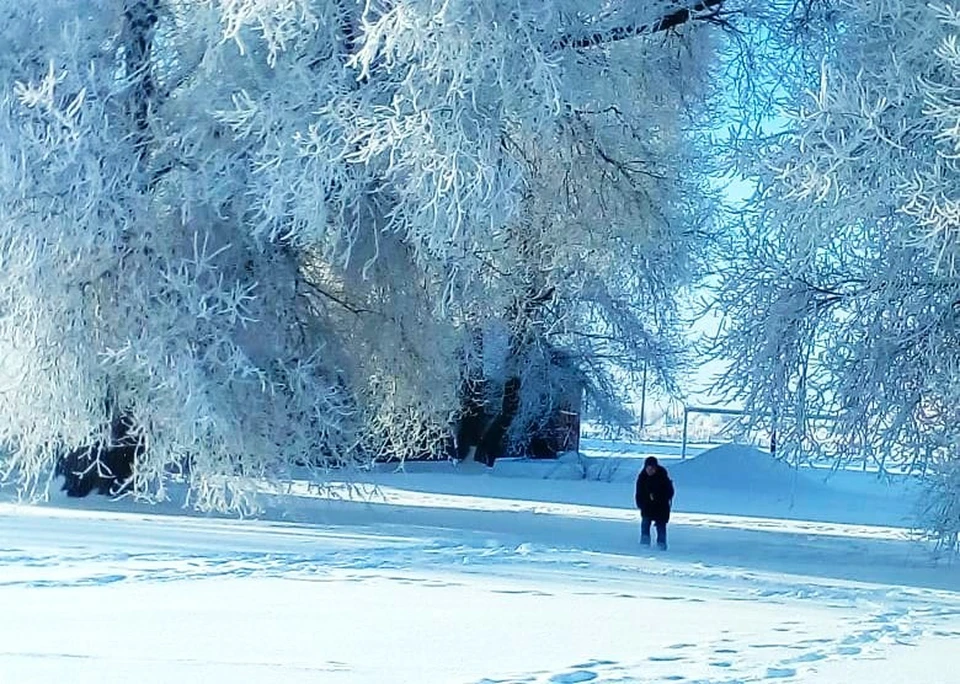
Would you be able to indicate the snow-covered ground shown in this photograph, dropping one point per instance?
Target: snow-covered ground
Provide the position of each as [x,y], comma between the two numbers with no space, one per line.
[530,572]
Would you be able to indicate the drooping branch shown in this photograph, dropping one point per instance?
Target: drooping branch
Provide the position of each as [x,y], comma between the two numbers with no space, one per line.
[315,289]
[617,33]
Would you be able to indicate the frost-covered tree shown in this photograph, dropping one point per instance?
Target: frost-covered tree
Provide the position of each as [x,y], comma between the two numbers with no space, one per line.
[134,287]
[268,232]
[841,296]
[611,223]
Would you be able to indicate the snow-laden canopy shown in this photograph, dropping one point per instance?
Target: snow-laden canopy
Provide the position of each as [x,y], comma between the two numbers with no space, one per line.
[269,233]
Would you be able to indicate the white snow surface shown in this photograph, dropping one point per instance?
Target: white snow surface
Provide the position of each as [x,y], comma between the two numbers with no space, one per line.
[529,572]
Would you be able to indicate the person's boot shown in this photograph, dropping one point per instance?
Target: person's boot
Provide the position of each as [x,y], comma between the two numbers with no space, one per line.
[662,545]
[644,540]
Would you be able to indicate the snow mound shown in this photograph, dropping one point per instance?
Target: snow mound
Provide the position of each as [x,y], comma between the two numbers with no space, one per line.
[739,466]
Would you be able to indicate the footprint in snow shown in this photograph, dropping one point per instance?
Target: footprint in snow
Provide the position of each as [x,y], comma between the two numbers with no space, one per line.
[573,677]
[780,672]
[811,657]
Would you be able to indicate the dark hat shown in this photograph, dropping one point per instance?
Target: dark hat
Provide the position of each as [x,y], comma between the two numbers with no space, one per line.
[650,461]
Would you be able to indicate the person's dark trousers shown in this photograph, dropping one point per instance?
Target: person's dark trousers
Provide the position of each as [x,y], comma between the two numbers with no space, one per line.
[645,532]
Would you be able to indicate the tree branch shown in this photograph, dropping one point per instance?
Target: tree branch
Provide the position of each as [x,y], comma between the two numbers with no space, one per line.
[317,290]
[617,33]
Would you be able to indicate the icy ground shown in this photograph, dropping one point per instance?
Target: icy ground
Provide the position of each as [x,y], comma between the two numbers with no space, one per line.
[528,573]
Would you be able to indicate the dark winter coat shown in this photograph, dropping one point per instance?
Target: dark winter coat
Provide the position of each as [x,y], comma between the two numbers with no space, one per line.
[655,494]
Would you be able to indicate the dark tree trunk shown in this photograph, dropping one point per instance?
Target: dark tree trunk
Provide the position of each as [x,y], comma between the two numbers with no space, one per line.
[140,22]
[487,433]
[106,466]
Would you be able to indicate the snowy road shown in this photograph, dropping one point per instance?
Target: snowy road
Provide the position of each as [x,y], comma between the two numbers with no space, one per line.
[452,596]
[453,587]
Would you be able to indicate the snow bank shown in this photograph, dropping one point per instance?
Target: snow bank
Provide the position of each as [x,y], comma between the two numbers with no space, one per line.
[729,479]
[740,467]
[728,466]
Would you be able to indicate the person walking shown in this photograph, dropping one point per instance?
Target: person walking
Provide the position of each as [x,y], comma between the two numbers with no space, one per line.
[654,499]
